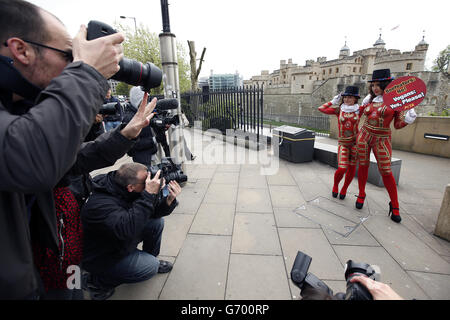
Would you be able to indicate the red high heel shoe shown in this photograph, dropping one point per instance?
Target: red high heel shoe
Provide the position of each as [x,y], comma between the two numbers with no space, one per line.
[359,204]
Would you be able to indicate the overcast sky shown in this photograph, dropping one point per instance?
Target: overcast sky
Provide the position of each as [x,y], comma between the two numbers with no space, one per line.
[253,35]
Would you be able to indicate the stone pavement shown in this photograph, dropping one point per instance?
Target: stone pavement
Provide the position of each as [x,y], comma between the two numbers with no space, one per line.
[236,232]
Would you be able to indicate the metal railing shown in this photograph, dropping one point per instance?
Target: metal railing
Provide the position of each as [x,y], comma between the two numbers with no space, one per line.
[238,108]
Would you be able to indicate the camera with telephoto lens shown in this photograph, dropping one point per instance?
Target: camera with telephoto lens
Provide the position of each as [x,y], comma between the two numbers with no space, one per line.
[312,288]
[108,109]
[131,71]
[169,171]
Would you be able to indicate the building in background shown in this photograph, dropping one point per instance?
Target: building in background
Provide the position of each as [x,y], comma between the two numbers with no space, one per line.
[224,81]
[305,79]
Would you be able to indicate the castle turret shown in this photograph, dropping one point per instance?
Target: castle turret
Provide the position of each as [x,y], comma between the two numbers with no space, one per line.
[422,45]
[345,51]
[379,43]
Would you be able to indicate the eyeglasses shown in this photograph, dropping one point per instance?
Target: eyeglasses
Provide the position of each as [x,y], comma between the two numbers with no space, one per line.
[67,54]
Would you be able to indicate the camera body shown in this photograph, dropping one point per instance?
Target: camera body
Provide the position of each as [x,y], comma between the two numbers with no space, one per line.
[108,109]
[311,286]
[131,71]
[169,171]
[161,119]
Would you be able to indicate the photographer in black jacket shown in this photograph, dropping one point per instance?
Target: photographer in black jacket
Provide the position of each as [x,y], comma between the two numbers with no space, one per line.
[124,209]
[145,149]
[63,80]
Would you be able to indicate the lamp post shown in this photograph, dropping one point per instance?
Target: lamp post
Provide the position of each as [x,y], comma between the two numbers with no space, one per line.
[167,41]
[135,26]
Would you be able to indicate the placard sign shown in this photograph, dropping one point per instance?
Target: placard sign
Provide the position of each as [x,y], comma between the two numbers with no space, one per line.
[404,93]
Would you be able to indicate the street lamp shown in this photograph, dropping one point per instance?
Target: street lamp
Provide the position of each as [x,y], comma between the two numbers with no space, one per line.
[135,27]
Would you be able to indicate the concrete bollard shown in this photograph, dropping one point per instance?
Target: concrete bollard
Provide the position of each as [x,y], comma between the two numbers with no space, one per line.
[442,229]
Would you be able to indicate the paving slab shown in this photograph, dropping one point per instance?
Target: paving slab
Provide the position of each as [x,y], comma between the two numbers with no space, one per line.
[325,264]
[200,270]
[225,177]
[288,218]
[359,237]
[255,233]
[252,178]
[254,200]
[285,196]
[391,272]
[189,201]
[257,277]
[407,249]
[283,178]
[215,219]
[229,168]
[176,227]
[145,290]
[221,194]
[440,246]
[437,286]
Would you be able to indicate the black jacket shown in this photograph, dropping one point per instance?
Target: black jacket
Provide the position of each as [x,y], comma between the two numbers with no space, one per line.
[37,149]
[146,146]
[113,221]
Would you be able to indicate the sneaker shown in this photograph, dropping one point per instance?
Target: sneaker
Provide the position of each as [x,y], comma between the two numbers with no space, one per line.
[164,266]
[193,157]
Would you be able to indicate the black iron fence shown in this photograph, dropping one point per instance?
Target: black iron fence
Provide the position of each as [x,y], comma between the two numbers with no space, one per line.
[239,108]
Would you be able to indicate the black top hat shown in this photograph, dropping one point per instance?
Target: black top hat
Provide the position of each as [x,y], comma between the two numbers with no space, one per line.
[351,91]
[381,75]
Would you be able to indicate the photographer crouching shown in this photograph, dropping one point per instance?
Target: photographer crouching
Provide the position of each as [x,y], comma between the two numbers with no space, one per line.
[125,208]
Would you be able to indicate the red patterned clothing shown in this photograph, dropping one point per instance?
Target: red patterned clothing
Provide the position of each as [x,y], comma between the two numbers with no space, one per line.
[52,268]
[375,134]
[348,131]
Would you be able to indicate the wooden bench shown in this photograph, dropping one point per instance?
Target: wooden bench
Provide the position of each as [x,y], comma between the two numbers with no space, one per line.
[327,153]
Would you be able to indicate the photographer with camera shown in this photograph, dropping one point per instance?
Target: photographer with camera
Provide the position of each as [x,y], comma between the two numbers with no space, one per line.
[145,149]
[125,208]
[51,88]
[113,120]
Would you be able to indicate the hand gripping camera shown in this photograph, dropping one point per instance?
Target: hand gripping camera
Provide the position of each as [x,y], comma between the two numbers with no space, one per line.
[131,71]
[169,171]
[312,288]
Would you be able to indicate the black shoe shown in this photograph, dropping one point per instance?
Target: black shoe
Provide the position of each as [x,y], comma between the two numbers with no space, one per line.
[164,266]
[96,292]
[193,157]
[101,294]
[341,196]
[394,217]
[359,205]
[335,194]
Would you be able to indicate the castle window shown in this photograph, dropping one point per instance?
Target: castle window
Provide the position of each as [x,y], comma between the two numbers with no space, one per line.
[360,69]
[354,69]
[303,86]
[337,70]
[409,66]
[294,77]
[310,77]
[329,71]
[323,71]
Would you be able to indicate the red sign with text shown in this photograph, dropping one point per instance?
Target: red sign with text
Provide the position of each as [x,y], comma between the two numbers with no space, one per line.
[404,93]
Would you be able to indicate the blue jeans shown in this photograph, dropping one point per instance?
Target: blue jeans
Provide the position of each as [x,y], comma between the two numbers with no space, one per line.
[109,125]
[138,265]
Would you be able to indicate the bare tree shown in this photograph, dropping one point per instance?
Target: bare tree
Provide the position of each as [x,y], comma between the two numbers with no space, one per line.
[195,72]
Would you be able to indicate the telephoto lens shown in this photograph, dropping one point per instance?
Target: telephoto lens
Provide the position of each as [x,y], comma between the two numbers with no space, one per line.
[131,71]
[355,290]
